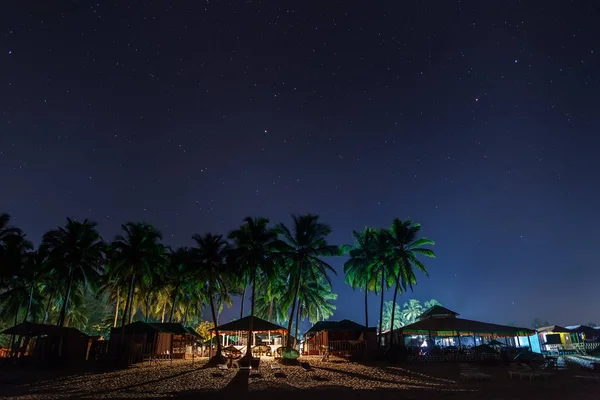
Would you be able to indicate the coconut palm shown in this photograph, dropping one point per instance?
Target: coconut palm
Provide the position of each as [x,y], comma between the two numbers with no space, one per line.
[315,301]
[404,246]
[271,300]
[411,311]
[212,275]
[430,303]
[134,254]
[179,264]
[383,272]
[254,256]
[359,269]
[386,322]
[76,252]
[305,246]
[13,247]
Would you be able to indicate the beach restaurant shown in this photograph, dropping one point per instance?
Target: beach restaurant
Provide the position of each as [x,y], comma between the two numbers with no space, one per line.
[440,327]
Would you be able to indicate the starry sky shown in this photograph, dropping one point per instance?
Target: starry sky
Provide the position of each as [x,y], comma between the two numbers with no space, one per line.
[476,119]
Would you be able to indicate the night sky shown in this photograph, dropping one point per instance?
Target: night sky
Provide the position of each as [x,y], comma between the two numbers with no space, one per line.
[477,119]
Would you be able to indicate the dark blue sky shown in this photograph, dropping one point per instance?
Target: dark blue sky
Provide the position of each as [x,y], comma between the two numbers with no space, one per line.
[476,119]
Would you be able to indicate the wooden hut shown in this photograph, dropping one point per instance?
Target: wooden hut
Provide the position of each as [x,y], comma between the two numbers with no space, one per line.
[152,340]
[346,338]
[264,333]
[47,344]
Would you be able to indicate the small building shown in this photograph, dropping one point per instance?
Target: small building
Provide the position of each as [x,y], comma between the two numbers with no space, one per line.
[439,328]
[264,333]
[48,344]
[343,337]
[152,340]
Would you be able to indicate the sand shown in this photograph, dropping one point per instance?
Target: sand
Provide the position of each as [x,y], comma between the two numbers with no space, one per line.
[327,380]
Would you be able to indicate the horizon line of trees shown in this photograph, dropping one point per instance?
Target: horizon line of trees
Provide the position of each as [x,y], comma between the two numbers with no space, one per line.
[75,278]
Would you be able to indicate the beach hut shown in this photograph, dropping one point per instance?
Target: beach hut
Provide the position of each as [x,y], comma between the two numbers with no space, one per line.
[264,333]
[47,344]
[152,340]
[343,337]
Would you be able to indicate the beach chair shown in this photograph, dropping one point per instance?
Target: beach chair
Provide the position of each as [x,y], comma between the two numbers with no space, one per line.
[469,372]
[276,366]
[589,378]
[516,370]
[222,367]
[541,374]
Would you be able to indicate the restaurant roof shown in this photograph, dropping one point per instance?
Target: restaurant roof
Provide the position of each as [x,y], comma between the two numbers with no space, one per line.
[450,327]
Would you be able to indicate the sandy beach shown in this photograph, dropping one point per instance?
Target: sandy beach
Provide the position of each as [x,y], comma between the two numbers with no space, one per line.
[182,379]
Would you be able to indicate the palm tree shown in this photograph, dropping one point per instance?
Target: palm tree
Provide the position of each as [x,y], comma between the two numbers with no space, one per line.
[382,270]
[359,269]
[411,311]
[179,266]
[212,275]
[254,255]
[387,317]
[404,246]
[36,267]
[76,251]
[271,303]
[430,303]
[305,245]
[13,246]
[134,254]
[315,301]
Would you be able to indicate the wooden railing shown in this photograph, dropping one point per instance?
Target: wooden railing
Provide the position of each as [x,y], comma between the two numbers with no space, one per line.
[351,346]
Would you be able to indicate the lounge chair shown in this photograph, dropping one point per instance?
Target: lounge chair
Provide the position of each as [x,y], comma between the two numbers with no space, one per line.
[521,372]
[222,367]
[541,374]
[468,372]
[591,378]
[276,366]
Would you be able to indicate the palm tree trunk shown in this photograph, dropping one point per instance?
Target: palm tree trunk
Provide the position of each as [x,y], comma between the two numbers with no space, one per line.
[366,307]
[214,315]
[63,311]
[297,289]
[47,309]
[117,308]
[270,313]
[242,307]
[393,314]
[251,324]
[164,311]
[174,303]
[12,337]
[185,313]
[147,305]
[297,322]
[29,304]
[124,319]
[131,306]
[381,307]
